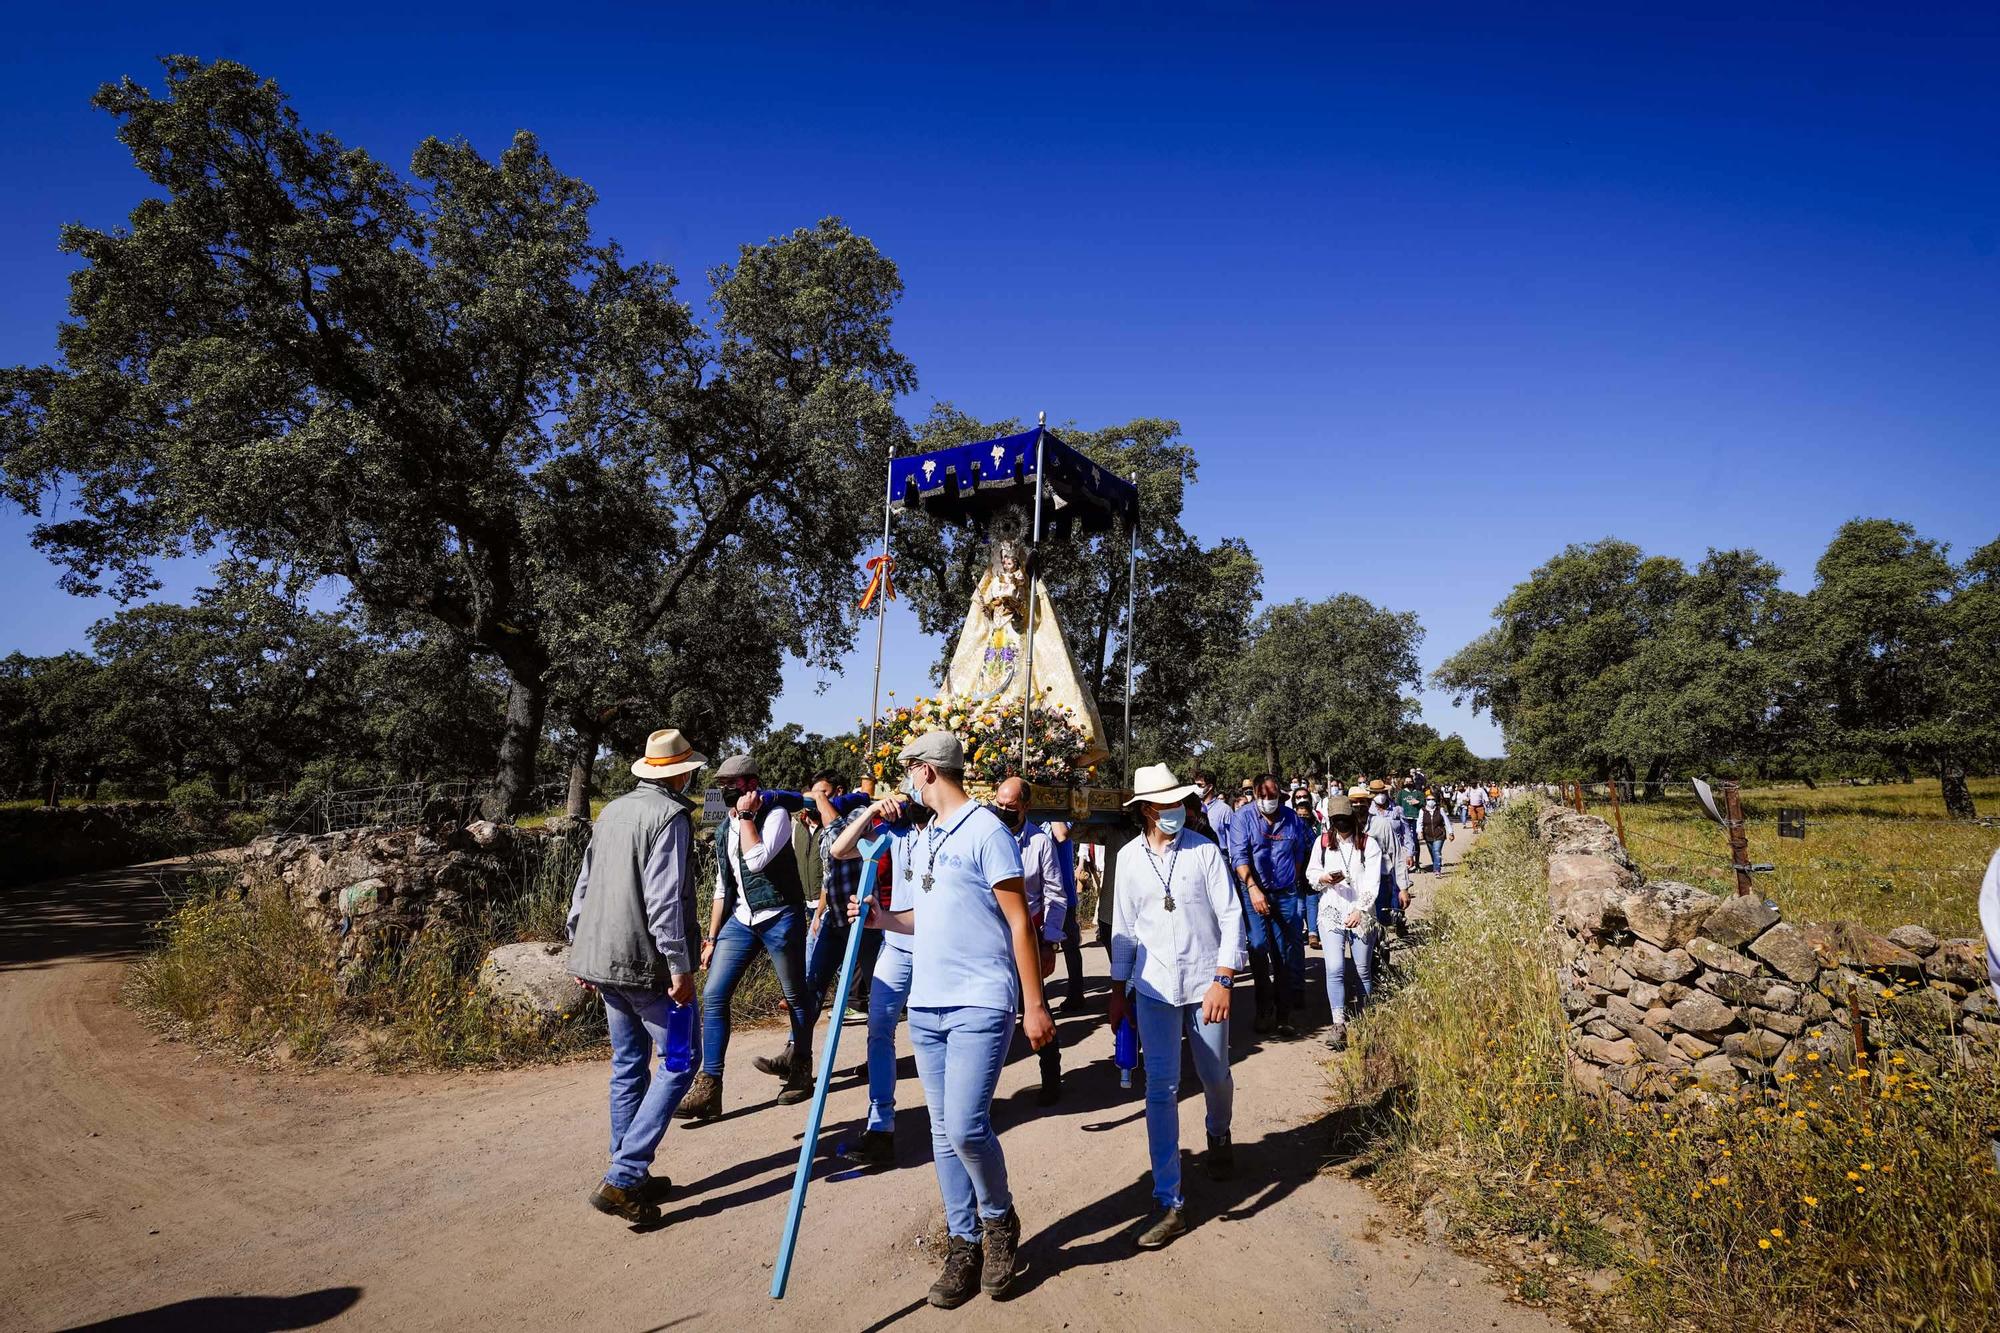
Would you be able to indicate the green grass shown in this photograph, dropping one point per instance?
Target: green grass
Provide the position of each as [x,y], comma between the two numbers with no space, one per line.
[1824,1199]
[1882,856]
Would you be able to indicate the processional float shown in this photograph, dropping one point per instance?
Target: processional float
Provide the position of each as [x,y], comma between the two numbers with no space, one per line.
[1019,491]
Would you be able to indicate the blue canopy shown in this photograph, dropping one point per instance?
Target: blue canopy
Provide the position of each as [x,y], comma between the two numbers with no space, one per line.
[967,483]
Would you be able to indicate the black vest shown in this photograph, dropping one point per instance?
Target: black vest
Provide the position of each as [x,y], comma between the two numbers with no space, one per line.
[776,885]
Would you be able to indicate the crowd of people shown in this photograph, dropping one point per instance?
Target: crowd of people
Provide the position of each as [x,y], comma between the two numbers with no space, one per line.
[975,903]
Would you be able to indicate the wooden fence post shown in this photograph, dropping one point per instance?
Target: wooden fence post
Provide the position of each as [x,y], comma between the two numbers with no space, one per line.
[1617,812]
[1739,841]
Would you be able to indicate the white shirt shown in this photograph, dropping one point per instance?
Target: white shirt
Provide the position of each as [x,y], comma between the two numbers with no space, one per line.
[1360,869]
[1989,919]
[1173,956]
[777,832]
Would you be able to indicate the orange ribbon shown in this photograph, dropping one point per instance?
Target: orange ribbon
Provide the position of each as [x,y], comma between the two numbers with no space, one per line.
[883,566]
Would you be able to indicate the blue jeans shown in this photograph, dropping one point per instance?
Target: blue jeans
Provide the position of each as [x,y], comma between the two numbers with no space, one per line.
[886,998]
[640,1103]
[1437,855]
[1338,940]
[1388,899]
[1288,914]
[825,948]
[1265,937]
[959,1053]
[783,937]
[1160,1026]
[1312,915]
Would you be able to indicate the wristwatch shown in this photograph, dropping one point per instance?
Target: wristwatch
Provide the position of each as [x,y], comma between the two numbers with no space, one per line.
[1224,982]
[746,814]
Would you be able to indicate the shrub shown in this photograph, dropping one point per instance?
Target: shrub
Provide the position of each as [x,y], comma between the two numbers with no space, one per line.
[1823,1198]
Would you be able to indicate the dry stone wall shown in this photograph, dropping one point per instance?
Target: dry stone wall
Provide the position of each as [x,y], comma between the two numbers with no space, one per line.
[373,888]
[1670,989]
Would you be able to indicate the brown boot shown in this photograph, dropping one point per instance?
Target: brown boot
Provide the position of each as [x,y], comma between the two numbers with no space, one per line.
[608,1198]
[798,1084]
[703,1100]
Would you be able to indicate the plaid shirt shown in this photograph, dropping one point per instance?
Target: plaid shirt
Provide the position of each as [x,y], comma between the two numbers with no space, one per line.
[842,877]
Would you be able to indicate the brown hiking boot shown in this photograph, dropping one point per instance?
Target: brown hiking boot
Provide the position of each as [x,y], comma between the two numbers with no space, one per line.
[1001,1237]
[960,1278]
[778,1066]
[1221,1159]
[703,1100]
[798,1084]
[626,1204]
[1170,1223]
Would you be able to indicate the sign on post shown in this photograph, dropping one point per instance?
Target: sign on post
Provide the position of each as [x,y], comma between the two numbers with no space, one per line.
[1792,824]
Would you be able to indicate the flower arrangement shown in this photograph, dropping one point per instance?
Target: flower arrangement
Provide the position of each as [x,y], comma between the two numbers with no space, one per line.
[991,734]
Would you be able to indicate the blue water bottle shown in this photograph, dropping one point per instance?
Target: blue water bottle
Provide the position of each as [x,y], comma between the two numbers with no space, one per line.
[1125,1049]
[680,1037]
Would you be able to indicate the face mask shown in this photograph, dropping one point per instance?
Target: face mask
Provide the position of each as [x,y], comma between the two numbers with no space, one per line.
[1430,805]
[913,789]
[1172,821]
[1014,819]
[1267,805]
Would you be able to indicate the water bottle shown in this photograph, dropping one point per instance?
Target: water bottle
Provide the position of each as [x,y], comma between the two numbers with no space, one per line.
[1125,1049]
[680,1038]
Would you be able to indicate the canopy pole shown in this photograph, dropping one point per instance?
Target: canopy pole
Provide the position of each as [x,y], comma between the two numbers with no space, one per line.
[882,611]
[1034,578]
[1131,602]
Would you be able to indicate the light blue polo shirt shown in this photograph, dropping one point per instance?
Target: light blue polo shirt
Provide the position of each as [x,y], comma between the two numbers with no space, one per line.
[962,952]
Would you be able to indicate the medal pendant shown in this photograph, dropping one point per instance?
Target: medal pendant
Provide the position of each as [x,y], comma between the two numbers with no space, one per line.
[928,881]
[1170,902]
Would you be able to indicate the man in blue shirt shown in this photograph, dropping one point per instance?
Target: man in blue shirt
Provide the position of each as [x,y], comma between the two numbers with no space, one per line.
[976,957]
[1269,845]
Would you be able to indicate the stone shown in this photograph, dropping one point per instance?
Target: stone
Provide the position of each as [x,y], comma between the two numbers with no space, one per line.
[1654,1046]
[1833,1045]
[1815,1008]
[1589,1079]
[1660,1017]
[1691,1046]
[1702,1013]
[487,834]
[1710,954]
[1644,994]
[1739,919]
[1590,911]
[1916,939]
[1654,964]
[1667,913]
[1786,948]
[1621,980]
[1718,1072]
[1606,1052]
[364,897]
[1733,989]
[1777,995]
[1987,1034]
[1623,1012]
[1577,1001]
[1569,834]
[1598,877]
[534,980]
[1673,993]
[1869,952]
[1599,1027]
[1754,1045]
[1959,960]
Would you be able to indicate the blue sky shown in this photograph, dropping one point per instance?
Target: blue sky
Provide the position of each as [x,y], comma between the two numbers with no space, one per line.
[1431,293]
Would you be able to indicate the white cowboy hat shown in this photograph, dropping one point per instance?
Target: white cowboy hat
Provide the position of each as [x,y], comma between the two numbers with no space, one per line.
[1155,784]
[667,754]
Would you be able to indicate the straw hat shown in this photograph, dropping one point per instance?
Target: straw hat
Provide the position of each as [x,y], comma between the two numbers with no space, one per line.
[667,755]
[1155,784]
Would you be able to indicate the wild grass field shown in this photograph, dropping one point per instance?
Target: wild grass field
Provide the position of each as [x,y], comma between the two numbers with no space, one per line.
[1826,1198]
[1882,856]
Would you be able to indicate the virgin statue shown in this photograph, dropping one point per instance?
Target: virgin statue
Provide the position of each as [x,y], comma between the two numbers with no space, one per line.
[990,664]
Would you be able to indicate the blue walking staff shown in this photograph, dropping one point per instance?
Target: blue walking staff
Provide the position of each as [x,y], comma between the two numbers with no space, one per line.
[871,851]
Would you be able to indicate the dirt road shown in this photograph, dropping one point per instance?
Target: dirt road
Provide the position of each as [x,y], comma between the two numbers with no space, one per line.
[148,1187]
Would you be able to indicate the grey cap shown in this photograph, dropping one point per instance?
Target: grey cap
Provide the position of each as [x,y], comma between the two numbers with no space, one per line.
[737,766]
[941,748]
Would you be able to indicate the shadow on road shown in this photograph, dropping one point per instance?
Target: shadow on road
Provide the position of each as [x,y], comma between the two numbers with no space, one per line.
[243,1314]
[105,914]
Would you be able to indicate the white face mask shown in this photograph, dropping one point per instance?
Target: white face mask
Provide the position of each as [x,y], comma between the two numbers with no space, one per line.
[1171,820]
[1267,805]
[914,788]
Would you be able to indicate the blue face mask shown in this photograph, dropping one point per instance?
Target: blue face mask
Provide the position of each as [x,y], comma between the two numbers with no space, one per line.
[1171,822]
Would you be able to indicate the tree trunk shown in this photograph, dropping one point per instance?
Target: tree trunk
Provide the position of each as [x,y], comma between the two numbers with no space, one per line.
[1656,772]
[582,761]
[1957,796]
[1270,754]
[527,700]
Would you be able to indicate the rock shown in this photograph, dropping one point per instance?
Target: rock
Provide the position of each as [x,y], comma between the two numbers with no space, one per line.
[1644,994]
[1710,954]
[1623,1012]
[1585,892]
[1961,960]
[1759,1046]
[1739,919]
[1786,948]
[487,834]
[1668,914]
[1985,1033]
[1916,939]
[1717,1071]
[1569,834]
[1577,1001]
[1833,1045]
[1589,1079]
[1864,950]
[1604,1029]
[1660,1017]
[1691,1046]
[533,979]
[1621,980]
[1701,1013]
[1777,995]
[1654,964]
[366,896]
[1620,1052]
